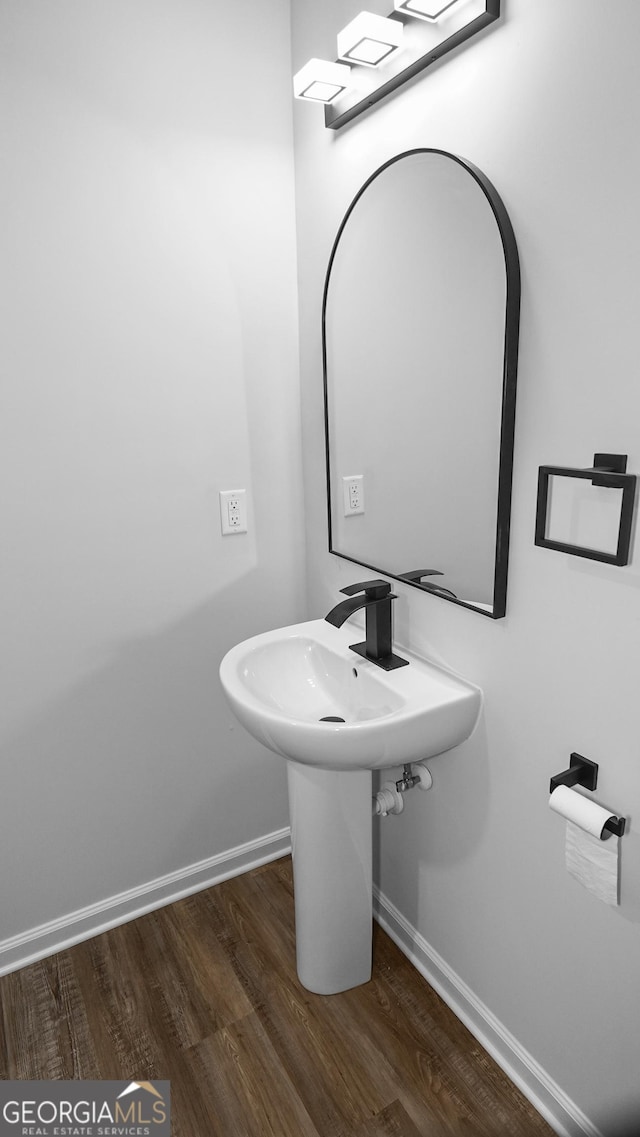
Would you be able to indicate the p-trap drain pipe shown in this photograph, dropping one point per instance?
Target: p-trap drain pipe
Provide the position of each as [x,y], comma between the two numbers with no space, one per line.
[389,799]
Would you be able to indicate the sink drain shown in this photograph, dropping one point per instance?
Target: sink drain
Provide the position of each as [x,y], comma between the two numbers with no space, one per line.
[332,718]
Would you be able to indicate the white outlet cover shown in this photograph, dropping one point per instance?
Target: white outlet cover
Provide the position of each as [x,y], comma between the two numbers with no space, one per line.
[353,494]
[233,512]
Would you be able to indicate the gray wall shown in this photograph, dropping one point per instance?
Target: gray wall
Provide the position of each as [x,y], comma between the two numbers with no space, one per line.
[547,104]
[149,359]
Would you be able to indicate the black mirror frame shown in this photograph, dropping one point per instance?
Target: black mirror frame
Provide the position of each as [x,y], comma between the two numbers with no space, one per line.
[509,375]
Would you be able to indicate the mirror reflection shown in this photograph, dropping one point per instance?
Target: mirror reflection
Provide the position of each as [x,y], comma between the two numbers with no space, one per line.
[420,327]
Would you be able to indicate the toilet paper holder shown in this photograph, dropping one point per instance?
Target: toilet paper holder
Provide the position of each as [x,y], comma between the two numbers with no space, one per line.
[584,772]
[614,825]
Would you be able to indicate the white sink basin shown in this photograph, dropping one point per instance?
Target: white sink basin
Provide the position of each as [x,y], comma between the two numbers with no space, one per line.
[281,684]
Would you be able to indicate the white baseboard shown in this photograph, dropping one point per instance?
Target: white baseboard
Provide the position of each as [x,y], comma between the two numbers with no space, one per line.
[563,1115]
[37,943]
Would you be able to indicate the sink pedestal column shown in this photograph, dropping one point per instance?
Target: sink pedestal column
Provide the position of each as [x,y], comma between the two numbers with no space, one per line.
[331,836]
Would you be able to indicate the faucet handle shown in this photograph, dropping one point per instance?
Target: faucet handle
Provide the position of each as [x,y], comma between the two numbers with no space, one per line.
[375,589]
[416,575]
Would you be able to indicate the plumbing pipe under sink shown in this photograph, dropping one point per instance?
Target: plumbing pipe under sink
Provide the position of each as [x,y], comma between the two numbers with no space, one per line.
[389,799]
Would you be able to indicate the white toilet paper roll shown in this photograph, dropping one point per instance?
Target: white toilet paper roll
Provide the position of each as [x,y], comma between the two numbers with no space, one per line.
[594,863]
[577,808]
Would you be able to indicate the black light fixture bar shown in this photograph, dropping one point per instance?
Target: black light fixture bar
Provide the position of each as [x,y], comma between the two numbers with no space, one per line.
[338,116]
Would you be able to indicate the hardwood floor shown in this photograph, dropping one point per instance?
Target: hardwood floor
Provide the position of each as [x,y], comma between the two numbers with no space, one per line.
[204,993]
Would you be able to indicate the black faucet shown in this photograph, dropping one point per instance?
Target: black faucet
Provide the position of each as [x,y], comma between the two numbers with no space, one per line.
[375,597]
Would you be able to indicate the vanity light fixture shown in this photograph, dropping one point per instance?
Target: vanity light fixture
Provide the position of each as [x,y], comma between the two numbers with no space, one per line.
[424,9]
[320,81]
[404,45]
[369,39]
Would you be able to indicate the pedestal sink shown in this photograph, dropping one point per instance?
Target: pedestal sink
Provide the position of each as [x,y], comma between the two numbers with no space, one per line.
[335,717]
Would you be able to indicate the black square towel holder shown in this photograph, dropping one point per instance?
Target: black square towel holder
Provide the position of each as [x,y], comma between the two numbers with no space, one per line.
[608,470]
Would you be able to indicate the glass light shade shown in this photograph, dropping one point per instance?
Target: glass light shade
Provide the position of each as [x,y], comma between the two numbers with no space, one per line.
[320,81]
[369,39]
[424,9]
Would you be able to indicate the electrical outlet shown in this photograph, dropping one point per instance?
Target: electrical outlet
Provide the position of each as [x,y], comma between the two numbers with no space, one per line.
[353,493]
[233,511]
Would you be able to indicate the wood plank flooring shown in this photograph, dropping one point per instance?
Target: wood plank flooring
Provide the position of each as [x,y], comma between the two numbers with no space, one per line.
[204,993]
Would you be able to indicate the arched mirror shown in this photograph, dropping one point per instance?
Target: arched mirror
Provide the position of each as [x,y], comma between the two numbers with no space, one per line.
[420,343]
